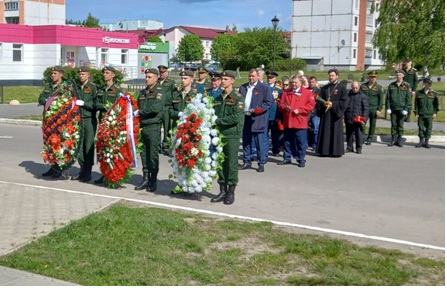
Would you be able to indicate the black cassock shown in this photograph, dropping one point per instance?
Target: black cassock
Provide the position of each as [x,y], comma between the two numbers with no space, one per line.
[330,134]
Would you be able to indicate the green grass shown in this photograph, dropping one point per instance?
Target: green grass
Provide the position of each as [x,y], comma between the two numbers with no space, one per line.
[152,246]
[24,94]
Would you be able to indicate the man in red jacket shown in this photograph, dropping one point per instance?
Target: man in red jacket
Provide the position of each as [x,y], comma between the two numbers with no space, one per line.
[296,104]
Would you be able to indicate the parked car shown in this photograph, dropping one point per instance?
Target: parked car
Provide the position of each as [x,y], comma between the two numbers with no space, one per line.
[176,67]
[211,67]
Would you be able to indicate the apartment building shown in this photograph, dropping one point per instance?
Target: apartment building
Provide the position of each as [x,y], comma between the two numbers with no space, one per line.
[32,12]
[328,33]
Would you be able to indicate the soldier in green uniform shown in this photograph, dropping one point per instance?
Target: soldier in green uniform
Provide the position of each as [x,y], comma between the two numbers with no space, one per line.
[151,102]
[181,98]
[374,91]
[398,105]
[426,107]
[229,109]
[203,83]
[87,100]
[168,85]
[106,97]
[411,77]
[57,78]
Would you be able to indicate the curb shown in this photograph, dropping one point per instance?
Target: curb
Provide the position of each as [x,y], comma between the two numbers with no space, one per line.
[439,139]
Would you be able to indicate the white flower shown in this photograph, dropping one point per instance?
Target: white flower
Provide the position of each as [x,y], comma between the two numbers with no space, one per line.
[213,132]
[215,141]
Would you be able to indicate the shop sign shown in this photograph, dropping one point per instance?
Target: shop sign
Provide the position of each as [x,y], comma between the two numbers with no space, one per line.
[108,40]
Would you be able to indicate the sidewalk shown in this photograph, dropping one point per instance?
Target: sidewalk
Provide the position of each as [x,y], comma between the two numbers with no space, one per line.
[12,277]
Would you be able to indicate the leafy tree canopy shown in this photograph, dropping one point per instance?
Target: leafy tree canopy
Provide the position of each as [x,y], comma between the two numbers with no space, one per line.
[411,29]
[190,48]
[154,38]
[91,22]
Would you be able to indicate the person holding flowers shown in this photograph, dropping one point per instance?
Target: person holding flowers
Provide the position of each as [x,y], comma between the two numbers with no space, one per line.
[229,109]
[356,115]
[183,97]
[87,99]
[57,81]
[106,96]
[151,102]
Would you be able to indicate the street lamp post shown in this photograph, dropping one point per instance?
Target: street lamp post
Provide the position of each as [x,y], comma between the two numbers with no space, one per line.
[275,22]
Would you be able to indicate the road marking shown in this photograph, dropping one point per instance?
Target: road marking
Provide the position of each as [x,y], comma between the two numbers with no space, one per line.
[5,137]
[314,228]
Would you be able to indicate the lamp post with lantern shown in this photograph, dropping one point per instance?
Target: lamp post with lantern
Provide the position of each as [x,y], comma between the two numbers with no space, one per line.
[275,22]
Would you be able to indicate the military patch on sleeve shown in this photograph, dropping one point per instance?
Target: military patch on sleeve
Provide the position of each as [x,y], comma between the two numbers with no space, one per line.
[240,105]
[159,95]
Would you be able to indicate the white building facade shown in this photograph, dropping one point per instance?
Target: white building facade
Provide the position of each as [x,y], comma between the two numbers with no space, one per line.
[32,12]
[335,33]
[126,25]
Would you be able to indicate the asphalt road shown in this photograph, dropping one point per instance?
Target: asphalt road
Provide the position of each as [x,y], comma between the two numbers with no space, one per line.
[389,197]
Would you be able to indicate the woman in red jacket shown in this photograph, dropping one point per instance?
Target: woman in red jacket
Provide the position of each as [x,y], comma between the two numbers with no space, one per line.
[296,104]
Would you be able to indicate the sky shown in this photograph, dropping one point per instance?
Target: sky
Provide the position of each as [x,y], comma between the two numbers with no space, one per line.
[203,13]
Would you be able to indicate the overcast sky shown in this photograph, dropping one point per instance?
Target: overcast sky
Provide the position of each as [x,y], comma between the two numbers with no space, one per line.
[203,13]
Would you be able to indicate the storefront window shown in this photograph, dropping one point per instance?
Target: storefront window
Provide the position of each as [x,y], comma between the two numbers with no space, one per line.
[124,56]
[104,55]
[17,50]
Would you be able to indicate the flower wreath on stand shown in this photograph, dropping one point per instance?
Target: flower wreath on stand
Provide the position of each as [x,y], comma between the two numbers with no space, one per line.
[61,128]
[117,141]
[196,147]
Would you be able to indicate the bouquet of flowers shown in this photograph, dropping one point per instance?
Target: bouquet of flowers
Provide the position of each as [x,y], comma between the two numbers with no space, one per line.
[61,128]
[117,140]
[196,146]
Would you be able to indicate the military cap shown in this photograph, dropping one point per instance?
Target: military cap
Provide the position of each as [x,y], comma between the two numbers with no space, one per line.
[109,68]
[271,73]
[214,74]
[162,68]
[228,73]
[151,70]
[372,73]
[187,73]
[58,69]
[400,71]
[84,69]
[203,70]
[407,60]
[428,80]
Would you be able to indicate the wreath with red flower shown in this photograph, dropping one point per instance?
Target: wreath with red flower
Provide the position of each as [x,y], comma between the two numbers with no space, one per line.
[61,128]
[117,141]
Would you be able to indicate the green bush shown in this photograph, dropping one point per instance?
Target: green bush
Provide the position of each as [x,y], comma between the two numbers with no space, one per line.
[72,73]
[287,65]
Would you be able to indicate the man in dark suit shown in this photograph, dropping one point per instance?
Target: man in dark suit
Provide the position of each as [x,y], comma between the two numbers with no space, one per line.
[257,99]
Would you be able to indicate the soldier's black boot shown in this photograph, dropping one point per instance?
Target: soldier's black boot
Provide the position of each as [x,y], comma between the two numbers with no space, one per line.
[79,175]
[143,184]
[421,143]
[57,174]
[399,141]
[152,186]
[427,145]
[48,173]
[393,139]
[222,195]
[230,195]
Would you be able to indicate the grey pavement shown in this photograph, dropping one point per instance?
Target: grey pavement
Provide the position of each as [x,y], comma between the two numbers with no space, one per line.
[32,207]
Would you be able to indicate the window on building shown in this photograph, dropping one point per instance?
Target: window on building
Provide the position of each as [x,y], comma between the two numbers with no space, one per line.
[375,54]
[124,56]
[368,53]
[12,6]
[17,51]
[356,4]
[12,20]
[104,55]
[377,7]
[356,20]
[354,53]
[369,37]
[376,23]
[355,37]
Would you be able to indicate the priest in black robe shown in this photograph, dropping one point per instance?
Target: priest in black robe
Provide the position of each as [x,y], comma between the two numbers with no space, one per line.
[333,103]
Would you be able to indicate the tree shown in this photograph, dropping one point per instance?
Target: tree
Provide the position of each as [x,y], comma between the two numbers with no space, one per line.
[222,44]
[190,48]
[91,21]
[154,38]
[255,47]
[411,29]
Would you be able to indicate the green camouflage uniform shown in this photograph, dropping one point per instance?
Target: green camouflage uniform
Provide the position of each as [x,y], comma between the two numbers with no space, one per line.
[398,99]
[169,87]
[426,104]
[375,101]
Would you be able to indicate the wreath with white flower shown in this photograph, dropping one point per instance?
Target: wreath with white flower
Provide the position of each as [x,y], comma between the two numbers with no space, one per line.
[196,146]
